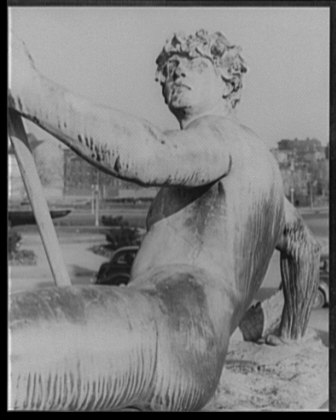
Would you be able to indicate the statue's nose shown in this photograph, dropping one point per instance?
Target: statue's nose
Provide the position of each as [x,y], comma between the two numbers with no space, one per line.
[179,72]
[180,69]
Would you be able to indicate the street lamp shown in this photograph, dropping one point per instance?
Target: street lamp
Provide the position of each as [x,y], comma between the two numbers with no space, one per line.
[292,169]
[96,199]
[292,195]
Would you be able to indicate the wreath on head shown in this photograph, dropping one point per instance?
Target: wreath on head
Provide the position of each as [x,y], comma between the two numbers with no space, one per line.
[225,57]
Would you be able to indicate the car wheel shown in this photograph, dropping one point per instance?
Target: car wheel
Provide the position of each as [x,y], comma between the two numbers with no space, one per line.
[115,280]
[319,300]
[120,279]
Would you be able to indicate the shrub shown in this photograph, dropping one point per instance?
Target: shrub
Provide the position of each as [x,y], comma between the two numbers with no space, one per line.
[124,236]
[121,233]
[13,242]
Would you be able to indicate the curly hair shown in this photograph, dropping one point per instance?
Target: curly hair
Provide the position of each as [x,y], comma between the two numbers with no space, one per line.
[225,57]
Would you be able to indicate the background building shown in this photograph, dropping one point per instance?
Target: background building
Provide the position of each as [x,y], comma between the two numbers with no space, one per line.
[81,178]
[48,157]
[304,165]
[66,176]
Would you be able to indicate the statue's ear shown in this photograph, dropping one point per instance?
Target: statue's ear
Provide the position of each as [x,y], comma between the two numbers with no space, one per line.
[227,88]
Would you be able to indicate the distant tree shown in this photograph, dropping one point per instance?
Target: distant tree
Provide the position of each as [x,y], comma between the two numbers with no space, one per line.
[49,163]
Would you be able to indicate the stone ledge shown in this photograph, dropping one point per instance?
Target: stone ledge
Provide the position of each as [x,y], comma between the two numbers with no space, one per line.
[259,377]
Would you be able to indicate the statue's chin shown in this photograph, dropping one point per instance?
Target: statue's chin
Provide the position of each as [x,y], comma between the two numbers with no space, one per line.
[179,111]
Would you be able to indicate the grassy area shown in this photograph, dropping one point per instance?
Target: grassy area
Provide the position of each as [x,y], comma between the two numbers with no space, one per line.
[22,257]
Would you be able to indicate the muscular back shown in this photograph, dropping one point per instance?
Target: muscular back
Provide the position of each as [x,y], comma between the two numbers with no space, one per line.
[229,227]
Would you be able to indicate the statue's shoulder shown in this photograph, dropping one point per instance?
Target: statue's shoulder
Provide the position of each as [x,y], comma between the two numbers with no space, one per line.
[246,136]
[223,124]
[233,134]
[230,128]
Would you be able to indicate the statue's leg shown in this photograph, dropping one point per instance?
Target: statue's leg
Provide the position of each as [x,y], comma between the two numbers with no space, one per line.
[299,263]
[93,348]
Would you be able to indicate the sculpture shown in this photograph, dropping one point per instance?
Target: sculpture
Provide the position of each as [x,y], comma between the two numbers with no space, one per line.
[160,343]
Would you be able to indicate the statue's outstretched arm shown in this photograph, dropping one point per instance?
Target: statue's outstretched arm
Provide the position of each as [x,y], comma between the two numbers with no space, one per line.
[299,262]
[117,143]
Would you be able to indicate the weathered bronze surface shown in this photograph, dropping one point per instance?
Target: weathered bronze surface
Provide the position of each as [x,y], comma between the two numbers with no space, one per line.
[161,342]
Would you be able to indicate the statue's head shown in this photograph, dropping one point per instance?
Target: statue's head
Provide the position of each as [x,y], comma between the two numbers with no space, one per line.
[201,59]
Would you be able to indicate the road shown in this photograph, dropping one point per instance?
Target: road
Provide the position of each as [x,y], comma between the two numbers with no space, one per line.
[135,216]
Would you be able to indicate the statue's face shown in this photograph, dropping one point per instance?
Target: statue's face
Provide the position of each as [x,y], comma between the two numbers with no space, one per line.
[191,85]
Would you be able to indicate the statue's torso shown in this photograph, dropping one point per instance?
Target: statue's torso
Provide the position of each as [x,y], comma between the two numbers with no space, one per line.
[229,228]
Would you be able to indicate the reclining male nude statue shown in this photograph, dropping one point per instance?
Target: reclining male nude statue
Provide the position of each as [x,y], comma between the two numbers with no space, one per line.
[160,343]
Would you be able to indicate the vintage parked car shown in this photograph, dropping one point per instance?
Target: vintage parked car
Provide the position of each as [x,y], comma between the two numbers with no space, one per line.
[117,270]
[322,295]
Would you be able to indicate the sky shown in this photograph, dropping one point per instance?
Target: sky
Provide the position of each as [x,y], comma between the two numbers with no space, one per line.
[108,55]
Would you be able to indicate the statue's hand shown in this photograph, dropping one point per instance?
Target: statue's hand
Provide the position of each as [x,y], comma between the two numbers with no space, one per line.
[279,340]
[21,69]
